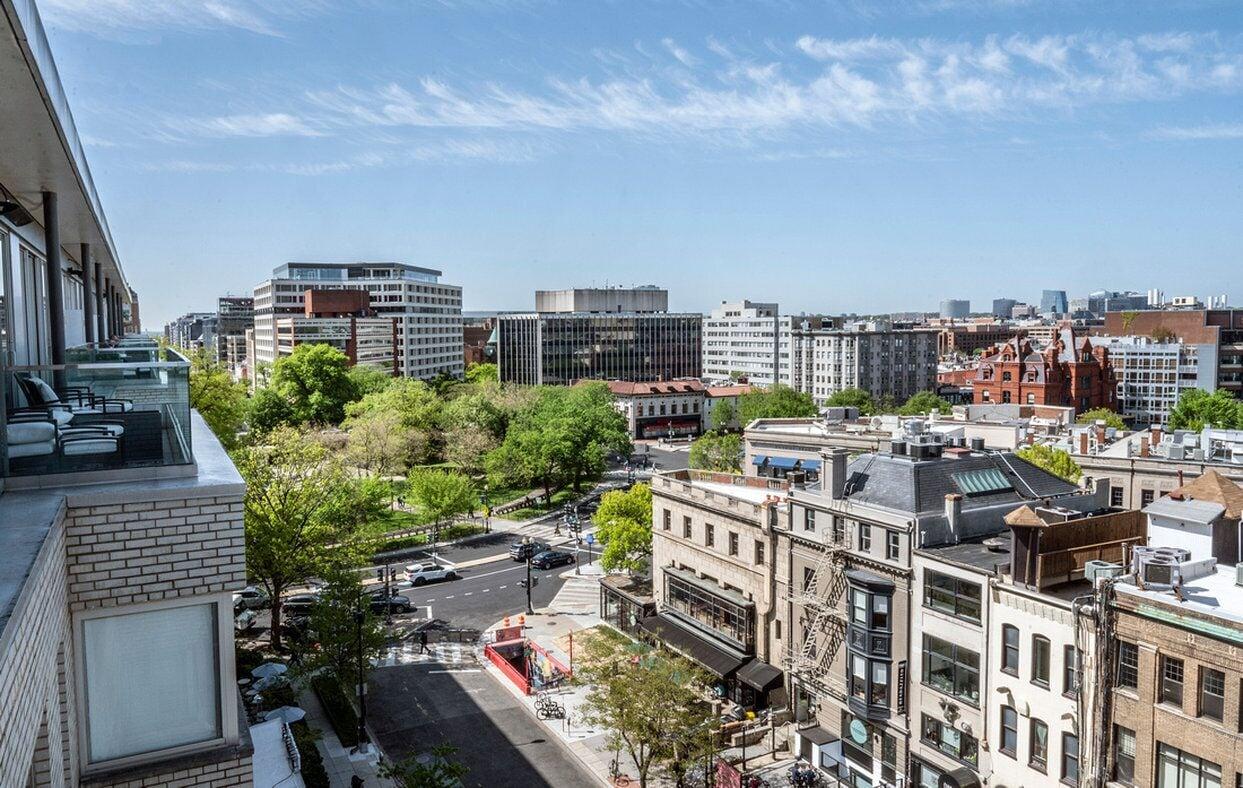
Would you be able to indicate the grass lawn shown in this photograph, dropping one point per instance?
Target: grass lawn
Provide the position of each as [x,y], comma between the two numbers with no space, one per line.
[447,534]
[559,498]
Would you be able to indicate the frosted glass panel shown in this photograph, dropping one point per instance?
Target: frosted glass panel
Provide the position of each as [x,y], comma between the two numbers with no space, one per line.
[152,681]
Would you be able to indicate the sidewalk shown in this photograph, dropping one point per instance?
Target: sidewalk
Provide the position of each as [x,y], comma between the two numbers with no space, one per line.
[338,762]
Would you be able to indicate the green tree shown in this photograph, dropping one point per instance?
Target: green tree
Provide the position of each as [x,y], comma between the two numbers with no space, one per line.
[1111,418]
[924,402]
[378,443]
[473,424]
[779,402]
[853,398]
[418,410]
[717,452]
[434,770]
[642,700]
[269,410]
[596,429]
[337,632]
[624,527]
[723,416]
[1055,461]
[369,380]
[303,514]
[219,400]
[482,373]
[1197,409]
[315,381]
[440,495]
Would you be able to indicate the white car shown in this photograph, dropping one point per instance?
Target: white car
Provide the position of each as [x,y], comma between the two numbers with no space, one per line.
[420,574]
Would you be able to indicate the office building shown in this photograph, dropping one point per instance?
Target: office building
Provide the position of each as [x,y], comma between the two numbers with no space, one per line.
[428,312]
[1002,308]
[955,308]
[121,533]
[751,341]
[132,321]
[1053,302]
[1152,375]
[193,331]
[1068,372]
[234,314]
[884,361]
[1217,333]
[345,320]
[966,339]
[599,334]
[661,409]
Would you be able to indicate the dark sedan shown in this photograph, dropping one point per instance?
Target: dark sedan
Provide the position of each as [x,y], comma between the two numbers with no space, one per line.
[299,605]
[397,603]
[550,558]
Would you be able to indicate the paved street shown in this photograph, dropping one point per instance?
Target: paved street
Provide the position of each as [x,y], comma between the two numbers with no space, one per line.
[414,707]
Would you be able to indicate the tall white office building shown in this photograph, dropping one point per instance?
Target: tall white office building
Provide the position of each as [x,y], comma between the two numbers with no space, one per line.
[751,339]
[428,311]
[1151,375]
[875,357]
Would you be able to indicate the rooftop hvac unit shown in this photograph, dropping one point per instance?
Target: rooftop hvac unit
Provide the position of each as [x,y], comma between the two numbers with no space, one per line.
[915,426]
[1197,455]
[1177,554]
[1238,580]
[1159,572]
[1139,554]
[1100,570]
[1177,451]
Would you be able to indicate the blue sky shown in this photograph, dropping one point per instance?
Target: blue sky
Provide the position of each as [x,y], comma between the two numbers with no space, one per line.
[832,156]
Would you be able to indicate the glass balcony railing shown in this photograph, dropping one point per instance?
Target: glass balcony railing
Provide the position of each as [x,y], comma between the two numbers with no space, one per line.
[105,409]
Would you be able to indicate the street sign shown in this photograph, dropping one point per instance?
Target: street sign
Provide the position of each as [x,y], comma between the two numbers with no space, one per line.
[591,538]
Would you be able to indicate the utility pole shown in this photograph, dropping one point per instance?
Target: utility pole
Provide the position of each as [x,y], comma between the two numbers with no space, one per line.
[527,550]
[362,696]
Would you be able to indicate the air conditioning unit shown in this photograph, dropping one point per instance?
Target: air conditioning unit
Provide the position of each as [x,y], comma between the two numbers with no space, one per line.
[1177,452]
[1100,570]
[1140,554]
[1159,573]
[1238,580]
[1177,554]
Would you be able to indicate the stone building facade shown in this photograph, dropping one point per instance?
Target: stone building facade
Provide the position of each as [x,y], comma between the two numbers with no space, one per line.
[1069,372]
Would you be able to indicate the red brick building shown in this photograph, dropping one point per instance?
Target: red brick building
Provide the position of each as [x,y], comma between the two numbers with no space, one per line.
[1069,372]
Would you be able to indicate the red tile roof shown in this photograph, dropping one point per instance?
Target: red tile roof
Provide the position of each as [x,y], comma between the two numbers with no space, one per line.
[624,388]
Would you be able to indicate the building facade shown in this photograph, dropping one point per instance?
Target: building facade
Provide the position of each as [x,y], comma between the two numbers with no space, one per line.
[880,360]
[428,312]
[1053,302]
[345,320]
[1220,329]
[968,338]
[1152,375]
[563,347]
[664,409]
[1069,372]
[751,341]
[234,314]
[955,309]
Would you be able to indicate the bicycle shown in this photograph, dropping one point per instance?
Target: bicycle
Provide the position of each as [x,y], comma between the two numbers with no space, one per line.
[616,775]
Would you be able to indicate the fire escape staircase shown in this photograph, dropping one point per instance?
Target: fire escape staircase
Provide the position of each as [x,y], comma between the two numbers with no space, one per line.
[820,599]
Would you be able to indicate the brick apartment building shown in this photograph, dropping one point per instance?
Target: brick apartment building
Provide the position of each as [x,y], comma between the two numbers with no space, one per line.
[1069,372]
[1221,330]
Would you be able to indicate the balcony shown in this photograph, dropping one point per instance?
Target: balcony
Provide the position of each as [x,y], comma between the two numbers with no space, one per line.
[122,411]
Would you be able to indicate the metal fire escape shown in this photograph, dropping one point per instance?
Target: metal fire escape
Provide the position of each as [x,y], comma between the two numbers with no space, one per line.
[820,597]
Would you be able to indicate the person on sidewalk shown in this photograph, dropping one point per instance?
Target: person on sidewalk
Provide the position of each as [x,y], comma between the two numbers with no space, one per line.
[423,641]
[356,782]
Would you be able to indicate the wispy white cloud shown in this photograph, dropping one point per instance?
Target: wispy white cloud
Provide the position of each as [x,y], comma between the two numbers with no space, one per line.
[848,49]
[112,17]
[272,124]
[1212,131]
[679,53]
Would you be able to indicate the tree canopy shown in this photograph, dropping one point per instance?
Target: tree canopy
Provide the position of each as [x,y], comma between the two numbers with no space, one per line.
[1111,418]
[441,495]
[925,402]
[482,373]
[624,527]
[219,400]
[717,452]
[1055,461]
[853,398]
[723,415]
[779,402]
[315,382]
[1197,409]
[337,632]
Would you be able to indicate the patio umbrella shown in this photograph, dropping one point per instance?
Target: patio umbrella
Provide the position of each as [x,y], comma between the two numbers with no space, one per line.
[285,714]
[266,683]
[268,670]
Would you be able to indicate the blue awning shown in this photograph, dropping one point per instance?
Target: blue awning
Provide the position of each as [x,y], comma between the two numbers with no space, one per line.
[759,459]
[787,463]
[810,465]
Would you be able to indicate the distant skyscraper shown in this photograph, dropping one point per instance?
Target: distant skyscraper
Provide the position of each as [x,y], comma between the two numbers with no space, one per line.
[955,308]
[1053,302]
[1002,307]
[1155,297]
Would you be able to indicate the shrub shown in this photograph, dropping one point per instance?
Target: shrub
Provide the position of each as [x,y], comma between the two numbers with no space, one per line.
[337,706]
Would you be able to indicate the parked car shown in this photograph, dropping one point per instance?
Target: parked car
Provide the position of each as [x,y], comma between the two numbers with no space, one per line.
[427,572]
[244,620]
[299,605]
[396,603]
[520,551]
[251,598]
[550,558]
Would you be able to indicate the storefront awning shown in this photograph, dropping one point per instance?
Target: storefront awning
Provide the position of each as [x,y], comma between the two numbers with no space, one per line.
[759,675]
[719,661]
[810,465]
[817,735]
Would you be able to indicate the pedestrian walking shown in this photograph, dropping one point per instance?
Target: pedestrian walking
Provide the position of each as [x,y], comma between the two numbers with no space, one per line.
[423,642]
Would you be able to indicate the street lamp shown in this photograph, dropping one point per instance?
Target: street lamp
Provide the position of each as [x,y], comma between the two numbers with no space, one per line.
[487,509]
[527,551]
[359,617]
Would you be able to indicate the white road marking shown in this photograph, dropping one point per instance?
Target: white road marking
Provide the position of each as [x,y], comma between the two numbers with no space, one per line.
[474,670]
[486,590]
[468,593]
[502,588]
[450,596]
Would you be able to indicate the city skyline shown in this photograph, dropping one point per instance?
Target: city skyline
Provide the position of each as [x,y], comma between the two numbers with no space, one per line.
[866,155]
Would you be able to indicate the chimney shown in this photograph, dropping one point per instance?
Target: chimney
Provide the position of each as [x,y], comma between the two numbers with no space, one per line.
[833,472]
[1143,446]
[1100,434]
[1083,443]
[953,513]
[1156,434]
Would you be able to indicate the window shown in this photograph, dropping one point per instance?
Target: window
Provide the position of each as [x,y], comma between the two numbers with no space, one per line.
[1040,660]
[1005,377]
[686,528]
[1128,664]
[1212,693]
[151,680]
[952,596]
[709,534]
[759,552]
[1115,496]
[733,543]
[952,669]
[892,545]
[865,537]
[1009,731]
[1172,681]
[1145,497]
[949,740]
[1031,398]
[1124,755]
[869,610]
[1070,671]
[809,574]
[1010,649]
[1005,397]
[1070,759]
[1038,746]
[809,519]
[839,529]
[1178,769]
